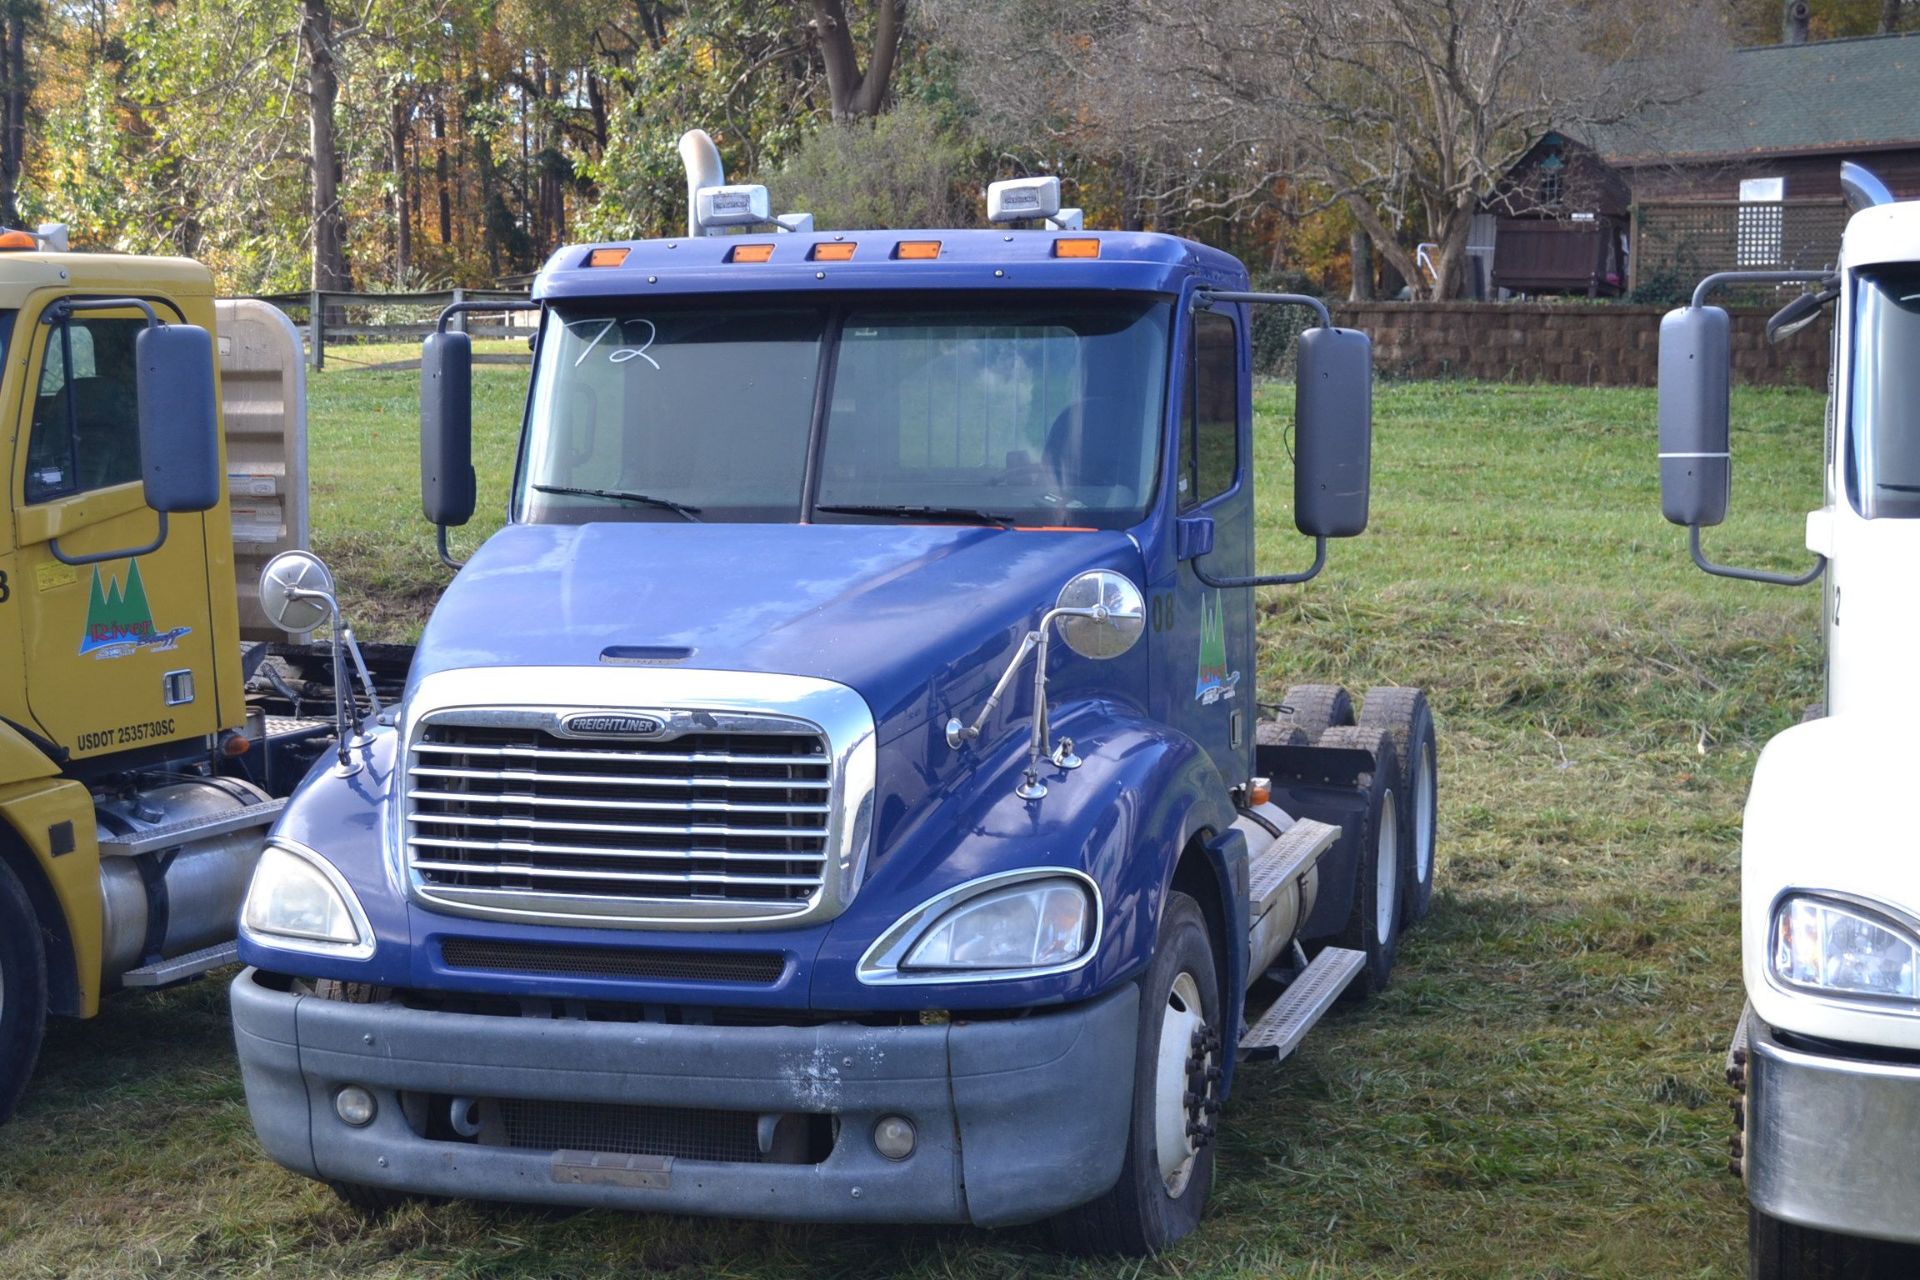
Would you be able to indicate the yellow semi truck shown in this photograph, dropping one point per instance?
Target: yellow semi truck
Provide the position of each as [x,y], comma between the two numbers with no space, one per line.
[152,450]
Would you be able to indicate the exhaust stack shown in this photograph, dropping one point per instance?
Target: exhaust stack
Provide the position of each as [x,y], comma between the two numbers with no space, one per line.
[702,161]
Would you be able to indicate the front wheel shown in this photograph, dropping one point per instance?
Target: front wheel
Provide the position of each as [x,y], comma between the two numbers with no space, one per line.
[1168,1170]
[1778,1250]
[23,990]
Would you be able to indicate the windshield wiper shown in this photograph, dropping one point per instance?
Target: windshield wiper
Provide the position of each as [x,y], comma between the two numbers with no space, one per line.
[942,515]
[623,495]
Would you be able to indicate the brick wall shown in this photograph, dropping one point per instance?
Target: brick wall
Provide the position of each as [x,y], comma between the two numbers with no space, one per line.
[1575,344]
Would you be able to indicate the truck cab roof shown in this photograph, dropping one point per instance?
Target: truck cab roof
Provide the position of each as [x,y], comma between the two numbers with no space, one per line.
[23,271]
[1126,261]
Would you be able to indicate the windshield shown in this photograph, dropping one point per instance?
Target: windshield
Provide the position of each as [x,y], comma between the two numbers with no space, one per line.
[1032,413]
[1883,463]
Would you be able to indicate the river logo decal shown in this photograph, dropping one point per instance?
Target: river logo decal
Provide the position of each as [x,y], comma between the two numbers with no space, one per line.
[120,621]
[1214,683]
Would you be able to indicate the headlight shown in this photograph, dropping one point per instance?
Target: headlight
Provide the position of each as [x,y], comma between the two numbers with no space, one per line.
[300,896]
[1030,926]
[1012,924]
[1830,947]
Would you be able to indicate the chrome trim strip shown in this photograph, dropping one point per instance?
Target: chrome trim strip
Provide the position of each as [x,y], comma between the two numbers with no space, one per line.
[684,701]
[880,966]
[361,950]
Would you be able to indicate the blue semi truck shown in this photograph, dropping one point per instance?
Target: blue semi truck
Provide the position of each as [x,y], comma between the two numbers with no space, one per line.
[839,793]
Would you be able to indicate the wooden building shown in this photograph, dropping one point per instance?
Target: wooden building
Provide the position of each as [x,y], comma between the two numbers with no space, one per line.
[1745,174]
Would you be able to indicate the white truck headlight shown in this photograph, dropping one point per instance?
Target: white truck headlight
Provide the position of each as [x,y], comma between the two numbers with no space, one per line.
[1830,946]
[298,899]
[1035,925]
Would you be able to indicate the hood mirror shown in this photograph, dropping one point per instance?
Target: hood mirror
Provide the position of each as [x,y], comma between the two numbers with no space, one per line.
[296,591]
[1101,614]
[296,594]
[1799,313]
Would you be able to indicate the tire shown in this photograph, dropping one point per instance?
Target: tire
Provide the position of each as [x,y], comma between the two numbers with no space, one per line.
[1373,926]
[23,990]
[1779,1250]
[1317,708]
[372,1203]
[1154,1203]
[1404,714]
[1280,733]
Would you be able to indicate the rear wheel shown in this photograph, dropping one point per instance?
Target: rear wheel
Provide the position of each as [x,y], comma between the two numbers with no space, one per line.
[1373,926]
[23,990]
[1404,714]
[1317,708]
[1779,1250]
[1168,1170]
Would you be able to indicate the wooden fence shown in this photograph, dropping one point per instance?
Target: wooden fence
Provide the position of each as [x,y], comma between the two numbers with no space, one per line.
[346,320]
[1684,240]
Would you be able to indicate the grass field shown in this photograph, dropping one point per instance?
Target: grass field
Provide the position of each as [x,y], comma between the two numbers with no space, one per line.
[1538,1094]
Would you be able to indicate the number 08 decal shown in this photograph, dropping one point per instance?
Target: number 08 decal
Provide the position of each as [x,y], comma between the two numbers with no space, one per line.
[1160,611]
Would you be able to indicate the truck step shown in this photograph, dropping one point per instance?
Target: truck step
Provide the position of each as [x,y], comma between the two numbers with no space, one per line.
[1279,1031]
[180,968]
[1286,858]
[155,839]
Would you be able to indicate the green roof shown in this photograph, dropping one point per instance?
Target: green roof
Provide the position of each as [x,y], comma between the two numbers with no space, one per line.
[1829,95]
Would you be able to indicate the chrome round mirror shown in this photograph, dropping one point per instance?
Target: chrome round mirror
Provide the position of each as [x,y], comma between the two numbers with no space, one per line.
[1118,613]
[296,591]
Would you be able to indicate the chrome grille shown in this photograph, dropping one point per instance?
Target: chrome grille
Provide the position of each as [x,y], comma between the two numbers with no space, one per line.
[507,808]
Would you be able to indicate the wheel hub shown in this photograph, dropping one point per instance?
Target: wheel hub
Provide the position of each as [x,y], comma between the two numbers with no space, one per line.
[1187,1085]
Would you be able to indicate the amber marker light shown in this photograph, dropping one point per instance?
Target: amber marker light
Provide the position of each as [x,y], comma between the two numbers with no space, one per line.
[750,253]
[834,251]
[607,257]
[18,240]
[1076,248]
[917,250]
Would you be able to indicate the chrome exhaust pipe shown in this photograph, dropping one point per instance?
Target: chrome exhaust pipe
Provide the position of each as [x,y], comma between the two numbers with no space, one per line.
[702,161]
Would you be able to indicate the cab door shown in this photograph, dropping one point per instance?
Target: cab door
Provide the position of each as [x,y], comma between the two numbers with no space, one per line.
[1212,658]
[119,654]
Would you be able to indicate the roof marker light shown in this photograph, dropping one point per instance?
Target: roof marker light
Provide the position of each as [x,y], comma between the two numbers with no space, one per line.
[18,240]
[1066,247]
[750,253]
[917,250]
[837,251]
[607,257]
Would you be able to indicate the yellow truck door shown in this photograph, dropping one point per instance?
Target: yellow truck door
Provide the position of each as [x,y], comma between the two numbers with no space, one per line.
[120,653]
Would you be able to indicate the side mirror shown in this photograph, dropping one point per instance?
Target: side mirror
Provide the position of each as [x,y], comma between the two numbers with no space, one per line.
[1333,432]
[1696,473]
[179,419]
[446,428]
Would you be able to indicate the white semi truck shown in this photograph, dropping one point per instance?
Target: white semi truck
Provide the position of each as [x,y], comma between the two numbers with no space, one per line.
[1825,1061]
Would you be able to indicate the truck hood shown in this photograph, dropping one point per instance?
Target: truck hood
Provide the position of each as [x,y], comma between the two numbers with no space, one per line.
[896,612]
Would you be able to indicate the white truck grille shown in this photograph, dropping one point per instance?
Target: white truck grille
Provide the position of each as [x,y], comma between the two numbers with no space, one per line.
[514,811]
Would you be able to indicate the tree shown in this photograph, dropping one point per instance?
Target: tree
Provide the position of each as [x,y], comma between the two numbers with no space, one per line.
[317,38]
[857,94]
[16,85]
[1406,111]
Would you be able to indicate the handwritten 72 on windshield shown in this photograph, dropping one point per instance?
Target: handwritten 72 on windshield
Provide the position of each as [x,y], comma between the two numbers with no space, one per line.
[623,347]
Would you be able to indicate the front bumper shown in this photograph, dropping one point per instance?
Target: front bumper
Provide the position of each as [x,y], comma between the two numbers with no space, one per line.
[1016,1119]
[1831,1139]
